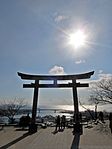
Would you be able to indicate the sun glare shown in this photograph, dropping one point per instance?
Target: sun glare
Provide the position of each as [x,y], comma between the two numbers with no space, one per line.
[77,39]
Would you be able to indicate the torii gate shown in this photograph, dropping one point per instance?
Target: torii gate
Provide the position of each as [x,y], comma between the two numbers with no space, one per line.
[55,84]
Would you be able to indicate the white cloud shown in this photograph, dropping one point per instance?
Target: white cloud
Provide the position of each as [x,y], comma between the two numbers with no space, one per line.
[57,70]
[100,71]
[105,76]
[80,61]
[101,76]
[60,18]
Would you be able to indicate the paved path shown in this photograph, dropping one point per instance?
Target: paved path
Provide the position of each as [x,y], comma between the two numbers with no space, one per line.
[92,138]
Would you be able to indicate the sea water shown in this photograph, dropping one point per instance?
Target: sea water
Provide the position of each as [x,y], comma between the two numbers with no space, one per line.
[40,113]
[53,111]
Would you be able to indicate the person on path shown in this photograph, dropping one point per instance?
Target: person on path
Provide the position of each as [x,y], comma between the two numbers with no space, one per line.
[63,122]
[57,123]
[101,117]
[110,122]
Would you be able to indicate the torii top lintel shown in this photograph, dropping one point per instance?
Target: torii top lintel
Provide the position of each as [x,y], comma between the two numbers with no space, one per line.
[55,77]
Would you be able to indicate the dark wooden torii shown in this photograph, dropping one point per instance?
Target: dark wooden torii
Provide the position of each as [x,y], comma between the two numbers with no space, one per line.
[55,84]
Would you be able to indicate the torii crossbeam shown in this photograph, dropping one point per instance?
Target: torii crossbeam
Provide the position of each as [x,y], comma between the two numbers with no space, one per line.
[55,84]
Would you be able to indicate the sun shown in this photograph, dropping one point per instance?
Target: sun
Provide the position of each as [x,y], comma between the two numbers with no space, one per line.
[77,39]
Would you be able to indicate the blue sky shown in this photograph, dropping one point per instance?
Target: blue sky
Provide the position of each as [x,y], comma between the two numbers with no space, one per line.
[33,39]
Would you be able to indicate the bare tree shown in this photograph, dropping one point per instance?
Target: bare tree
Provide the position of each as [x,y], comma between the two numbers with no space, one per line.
[101,91]
[10,108]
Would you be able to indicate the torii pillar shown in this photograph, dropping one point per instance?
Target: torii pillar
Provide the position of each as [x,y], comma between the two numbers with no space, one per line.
[33,127]
[77,126]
